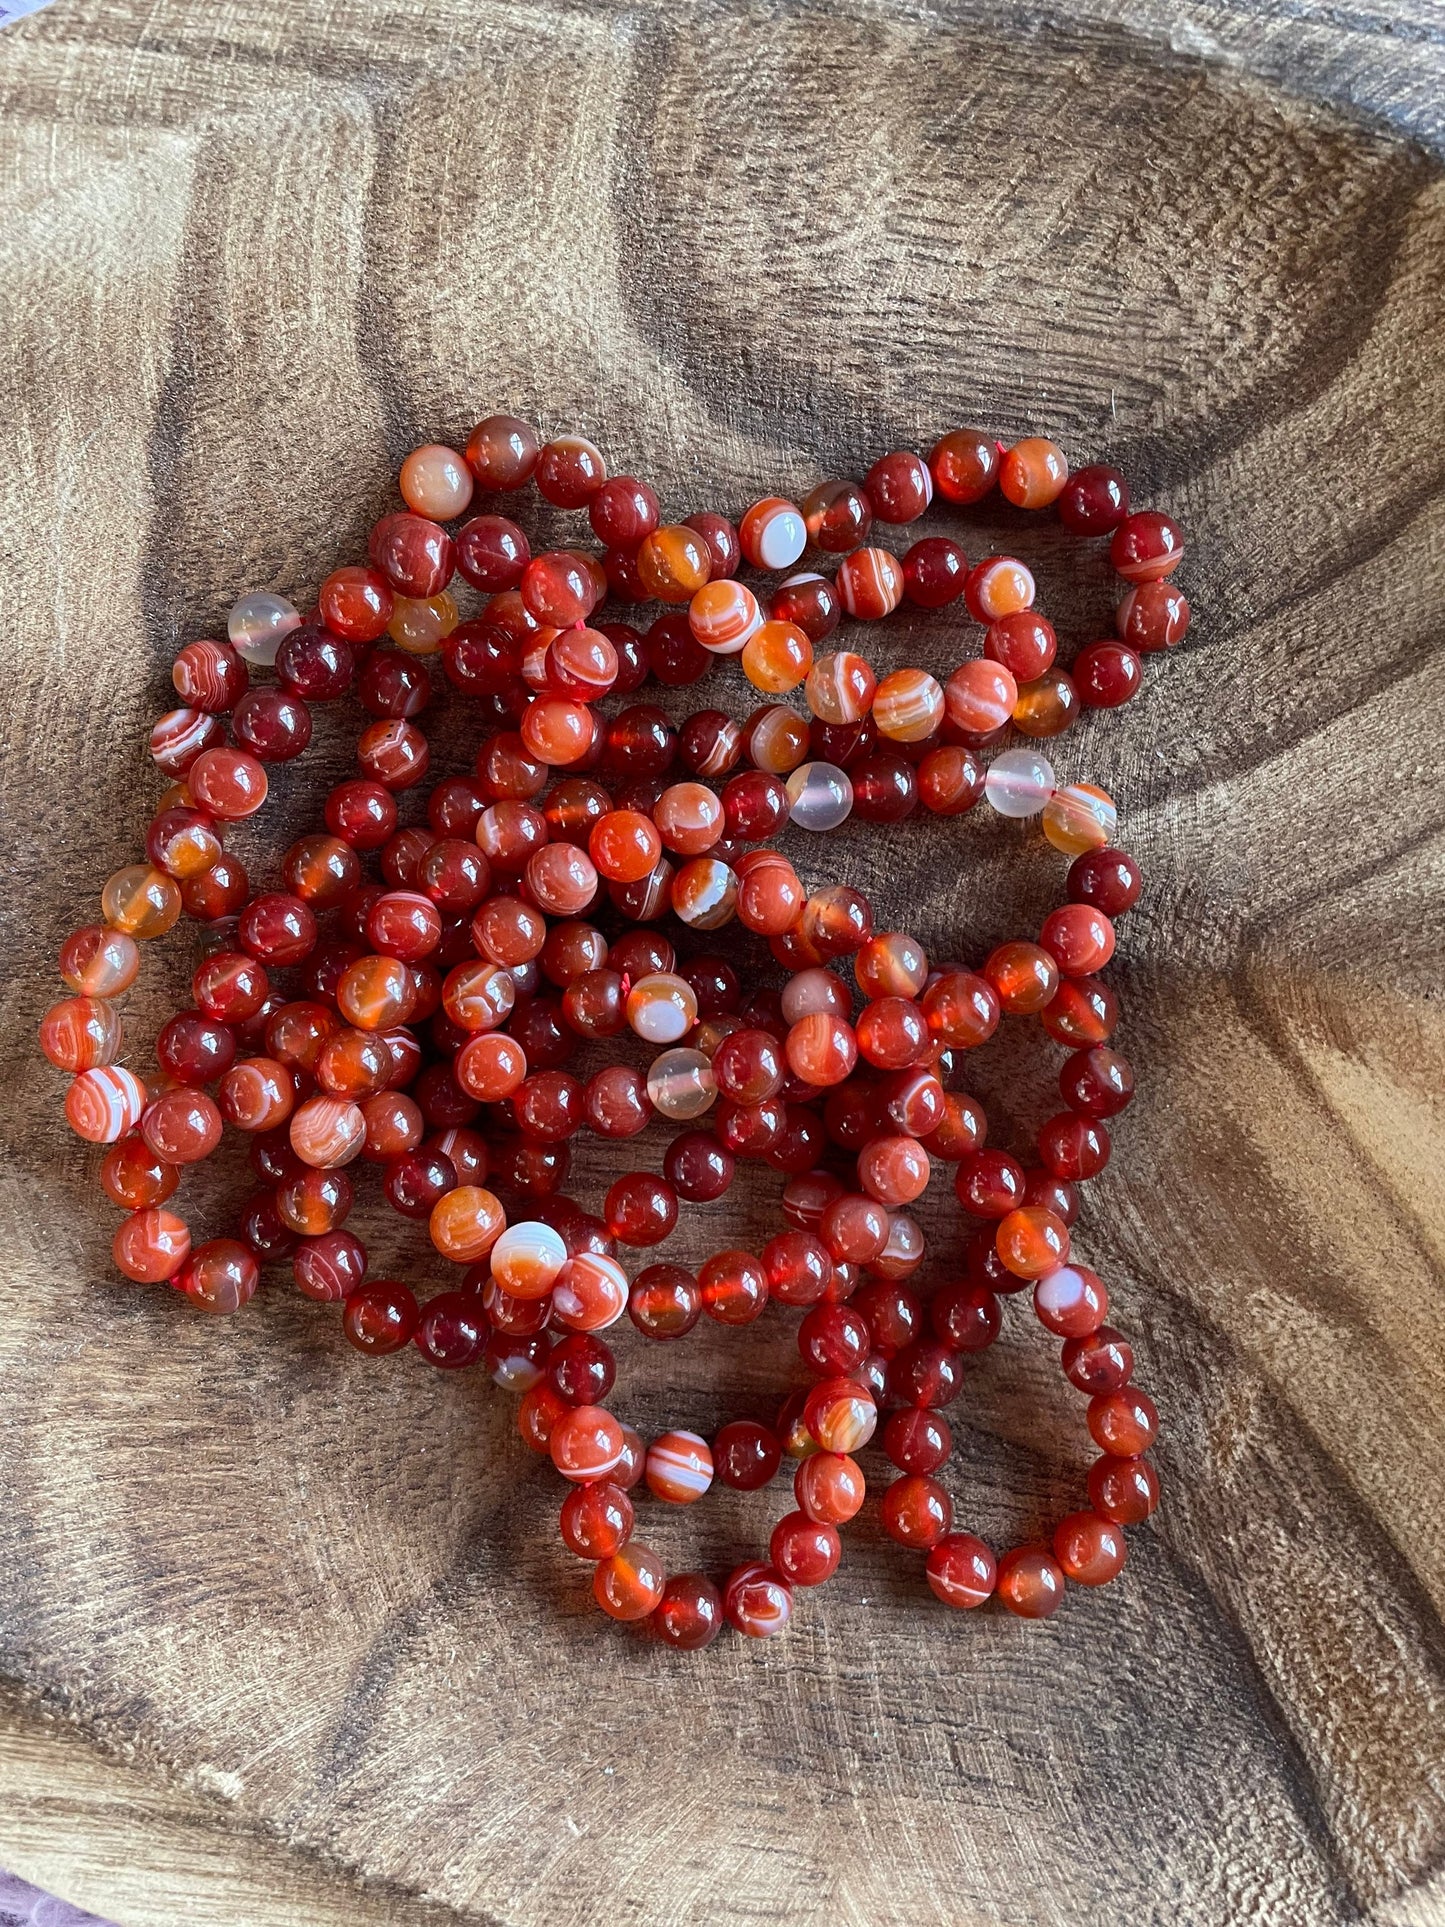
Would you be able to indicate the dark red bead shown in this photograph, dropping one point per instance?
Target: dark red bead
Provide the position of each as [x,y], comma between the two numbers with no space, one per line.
[934,571]
[1108,880]
[1106,674]
[451,1332]
[746,1455]
[1093,501]
[492,553]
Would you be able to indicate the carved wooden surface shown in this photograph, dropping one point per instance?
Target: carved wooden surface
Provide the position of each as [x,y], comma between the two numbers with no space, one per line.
[308,1615]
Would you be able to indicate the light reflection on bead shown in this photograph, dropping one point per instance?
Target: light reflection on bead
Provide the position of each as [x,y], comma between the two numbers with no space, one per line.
[1080,817]
[1019,783]
[259,623]
[681,1084]
[821,795]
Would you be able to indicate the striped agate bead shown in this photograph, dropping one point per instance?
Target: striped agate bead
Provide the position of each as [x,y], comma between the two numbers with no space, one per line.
[679,1467]
[723,615]
[102,1105]
[870,583]
[180,736]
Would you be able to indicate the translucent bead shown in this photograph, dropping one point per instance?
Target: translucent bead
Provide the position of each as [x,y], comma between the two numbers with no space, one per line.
[259,623]
[662,1008]
[679,1468]
[979,697]
[1019,783]
[777,740]
[81,1034]
[777,657]
[839,688]
[466,1223]
[327,1132]
[102,1105]
[1033,473]
[99,962]
[689,817]
[870,583]
[674,563]
[757,1600]
[964,465]
[140,901]
[590,1292]
[704,893]
[821,796]
[436,482]
[1078,817]
[998,586]
[681,1085]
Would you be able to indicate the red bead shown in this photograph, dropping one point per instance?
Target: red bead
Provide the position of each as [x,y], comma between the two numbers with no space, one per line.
[629,1584]
[804,1551]
[962,1571]
[1079,938]
[899,486]
[1030,1582]
[597,1520]
[1123,1423]
[1108,880]
[664,1302]
[1100,1361]
[689,1614]
[1093,501]
[1106,674]
[965,1316]
[925,1373]
[917,1440]
[734,1287]
[1146,546]
[916,1511]
[757,1600]
[1124,1490]
[964,465]
[1073,1147]
[569,471]
[640,1209]
[492,553]
[503,452]
[1155,615]
[746,1455]
[1089,1548]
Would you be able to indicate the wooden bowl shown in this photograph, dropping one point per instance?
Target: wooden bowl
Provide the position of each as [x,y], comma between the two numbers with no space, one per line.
[312,1609]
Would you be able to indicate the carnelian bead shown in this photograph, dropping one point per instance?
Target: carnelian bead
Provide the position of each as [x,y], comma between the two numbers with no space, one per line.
[1090,1549]
[557,730]
[917,1440]
[1033,473]
[962,1571]
[585,1443]
[209,675]
[560,879]
[989,1184]
[96,961]
[1106,674]
[640,1209]
[916,1511]
[892,1033]
[679,1468]
[776,657]
[689,1614]
[772,533]
[698,1167]
[804,1551]
[257,1094]
[1024,976]
[151,1245]
[908,706]
[1155,615]
[1093,500]
[629,1584]
[327,1131]
[964,465]
[314,1202]
[689,818]
[870,583]
[182,842]
[721,538]
[375,993]
[961,1008]
[1030,1582]
[757,1600]
[597,1520]
[80,1033]
[1108,879]
[1146,546]
[548,1106]
[829,1488]
[1073,1147]
[1024,645]
[277,929]
[569,471]
[556,589]
[838,516]
[1047,706]
[746,1455]
[134,1177]
[509,832]
[821,1049]
[180,736]
[141,902]
[625,846]
[394,752]
[840,1415]
[1082,1012]
[1079,938]
[227,783]
[673,563]
[182,1125]
[1124,1490]
[1124,1423]
[104,1104]
[220,1276]
[811,602]
[1100,1361]
[733,1287]
[664,1302]
[950,780]
[1097,1082]
[466,1223]
[380,1317]
[998,586]
[394,1124]
[502,452]
[1032,1241]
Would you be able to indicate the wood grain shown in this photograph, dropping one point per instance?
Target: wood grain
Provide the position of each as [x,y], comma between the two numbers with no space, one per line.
[312,1608]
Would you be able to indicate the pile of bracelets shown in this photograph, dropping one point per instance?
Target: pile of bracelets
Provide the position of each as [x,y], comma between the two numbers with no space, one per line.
[411,998]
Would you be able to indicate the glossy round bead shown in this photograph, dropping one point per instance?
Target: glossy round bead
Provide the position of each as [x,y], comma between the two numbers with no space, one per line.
[964,465]
[180,736]
[870,583]
[664,1302]
[466,1223]
[681,1085]
[689,818]
[934,572]
[151,1246]
[821,1050]
[829,1488]
[723,615]
[590,1292]
[1031,1241]
[689,1614]
[661,1007]
[526,1259]
[629,1585]
[746,1455]
[104,1104]
[218,892]
[908,706]
[1106,674]
[277,929]
[597,1520]
[1030,1582]
[698,1167]
[1083,1012]
[502,452]
[436,481]
[228,783]
[804,1551]
[1079,938]
[1155,615]
[772,533]
[625,846]
[182,1126]
[80,1034]
[777,739]
[330,1267]
[1146,546]
[1019,783]
[998,586]
[1108,879]
[259,623]
[1101,1361]
[757,1600]
[679,1468]
[840,1415]
[569,471]
[916,1511]
[1097,1082]
[1024,977]
[140,901]
[96,961]
[673,563]
[327,1132]
[1090,1548]
[134,1177]
[1079,817]
[586,1443]
[777,657]
[962,1571]
[734,1287]
[839,688]
[209,675]
[838,516]
[1124,1423]
[1047,706]
[1124,1490]
[356,603]
[1093,501]
[257,1094]
[1023,643]
[899,486]
[820,796]
[219,1277]
[1033,473]
[808,601]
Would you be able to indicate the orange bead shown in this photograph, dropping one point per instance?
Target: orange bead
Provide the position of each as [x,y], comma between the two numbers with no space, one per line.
[772,533]
[980,696]
[674,563]
[327,1132]
[1032,1241]
[1024,976]
[839,688]
[908,706]
[1030,1582]
[1033,473]
[996,587]
[723,615]
[1078,817]
[1047,706]
[151,1246]
[778,740]
[629,1584]
[141,901]
[490,1068]
[421,624]
[870,583]
[436,482]
[466,1223]
[625,846]
[689,817]
[1124,1424]
[777,657]
[376,993]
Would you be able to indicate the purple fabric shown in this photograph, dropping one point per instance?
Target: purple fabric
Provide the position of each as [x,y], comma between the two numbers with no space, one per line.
[22,1905]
